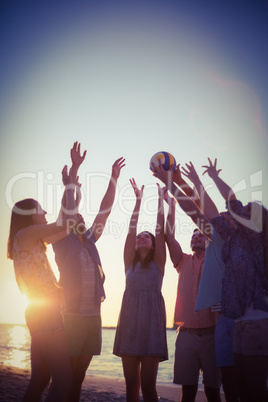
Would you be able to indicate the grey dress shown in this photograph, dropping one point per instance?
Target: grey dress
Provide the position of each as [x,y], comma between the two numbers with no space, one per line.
[141,328]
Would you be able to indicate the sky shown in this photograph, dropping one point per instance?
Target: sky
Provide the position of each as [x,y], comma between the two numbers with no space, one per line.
[128,78]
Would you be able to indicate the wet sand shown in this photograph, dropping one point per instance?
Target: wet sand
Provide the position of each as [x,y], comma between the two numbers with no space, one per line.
[14,381]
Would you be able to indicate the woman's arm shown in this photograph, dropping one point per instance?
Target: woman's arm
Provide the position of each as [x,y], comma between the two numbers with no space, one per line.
[189,191]
[108,199]
[223,187]
[77,160]
[129,249]
[160,247]
[49,233]
[175,250]
[206,205]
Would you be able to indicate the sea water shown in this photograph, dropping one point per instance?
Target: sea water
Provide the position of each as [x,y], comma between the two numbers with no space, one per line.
[15,345]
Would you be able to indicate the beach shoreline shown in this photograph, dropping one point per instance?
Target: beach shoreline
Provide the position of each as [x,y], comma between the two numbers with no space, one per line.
[14,381]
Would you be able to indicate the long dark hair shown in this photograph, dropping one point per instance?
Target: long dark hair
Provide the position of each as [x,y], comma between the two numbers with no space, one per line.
[21,217]
[149,257]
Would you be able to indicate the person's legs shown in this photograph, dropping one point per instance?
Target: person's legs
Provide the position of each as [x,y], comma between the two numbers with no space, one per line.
[251,359]
[251,374]
[149,368]
[229,384]
[188,392]
[212,394]
[211,374]
[40,374]
[131,367]
[79,367]
[83,335]
[224,333]
[55,353]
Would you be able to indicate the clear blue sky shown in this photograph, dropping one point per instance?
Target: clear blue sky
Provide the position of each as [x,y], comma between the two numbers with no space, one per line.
[128,78]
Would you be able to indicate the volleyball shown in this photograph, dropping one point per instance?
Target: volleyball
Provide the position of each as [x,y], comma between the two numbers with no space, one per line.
[166,159]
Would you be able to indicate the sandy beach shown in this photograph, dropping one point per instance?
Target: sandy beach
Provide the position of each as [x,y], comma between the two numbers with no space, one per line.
[14,381]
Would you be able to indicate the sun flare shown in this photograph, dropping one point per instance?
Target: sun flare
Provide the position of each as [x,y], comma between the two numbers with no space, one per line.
[14,311]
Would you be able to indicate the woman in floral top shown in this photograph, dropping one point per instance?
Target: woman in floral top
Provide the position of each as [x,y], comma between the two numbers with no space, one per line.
[245,288]
[29,232]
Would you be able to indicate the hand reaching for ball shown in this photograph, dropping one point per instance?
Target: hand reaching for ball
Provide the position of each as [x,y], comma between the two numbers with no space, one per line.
[138,192]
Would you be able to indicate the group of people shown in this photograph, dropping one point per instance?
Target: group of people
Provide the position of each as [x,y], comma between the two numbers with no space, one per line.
[222,323]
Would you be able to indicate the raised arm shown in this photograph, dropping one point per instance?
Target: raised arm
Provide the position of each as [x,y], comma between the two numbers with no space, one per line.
[49,233]
[77,158]
[108,199]
[224,189]
[129,249]
[174,248]
[205,204]
[189,191]
[160,247]
[186,203]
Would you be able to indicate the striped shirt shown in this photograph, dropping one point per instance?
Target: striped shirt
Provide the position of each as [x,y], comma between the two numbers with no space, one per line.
[88,305]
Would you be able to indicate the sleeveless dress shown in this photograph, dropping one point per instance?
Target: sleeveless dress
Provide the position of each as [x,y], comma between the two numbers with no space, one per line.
[141,328]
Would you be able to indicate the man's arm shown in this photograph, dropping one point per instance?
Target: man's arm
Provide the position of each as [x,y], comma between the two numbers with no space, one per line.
[108,199]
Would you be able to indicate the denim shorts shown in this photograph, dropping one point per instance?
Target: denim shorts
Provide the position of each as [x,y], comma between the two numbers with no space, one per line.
[45,319]
[224,341]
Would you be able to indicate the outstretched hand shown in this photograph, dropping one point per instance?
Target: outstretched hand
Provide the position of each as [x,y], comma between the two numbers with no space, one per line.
[67,177]
[117,166]
[177,177]
[166,176]
[168,199]
[138,192]
[76,156]
[190,172]
[161,191]
[211,169]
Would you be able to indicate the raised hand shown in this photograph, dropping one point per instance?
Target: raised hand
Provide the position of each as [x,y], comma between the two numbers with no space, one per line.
[166,176]
[169,200]
[190,172]
[67,178]
[138,192]
[161,191]
[76,156]
[211,169]
[177,177]
[117,166]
